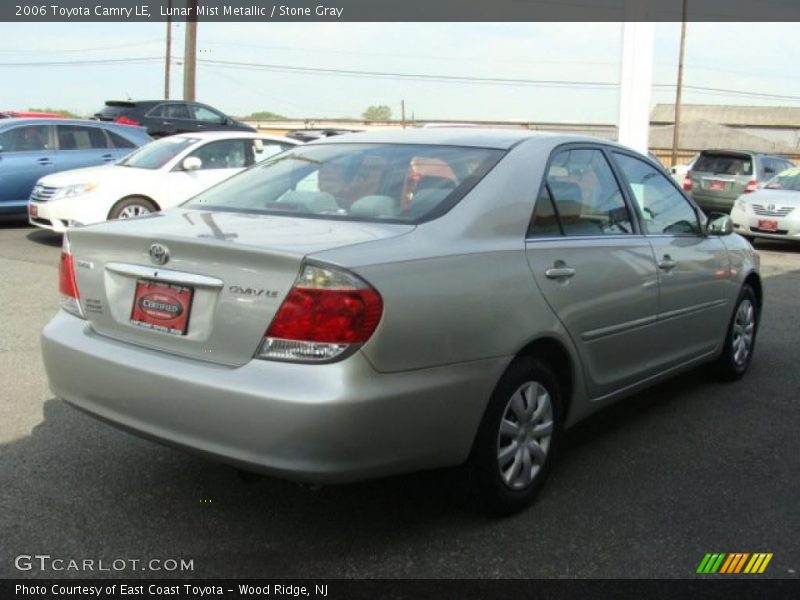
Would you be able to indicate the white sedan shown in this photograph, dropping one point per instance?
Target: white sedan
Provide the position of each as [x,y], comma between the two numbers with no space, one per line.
[157,176]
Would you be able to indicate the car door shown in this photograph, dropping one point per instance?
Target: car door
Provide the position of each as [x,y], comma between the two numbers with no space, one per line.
[26,154]
[82,146]
[595,268]
[694,274]
[219,159]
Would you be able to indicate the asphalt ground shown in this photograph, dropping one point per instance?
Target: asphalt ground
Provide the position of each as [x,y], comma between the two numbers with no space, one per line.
[643,489]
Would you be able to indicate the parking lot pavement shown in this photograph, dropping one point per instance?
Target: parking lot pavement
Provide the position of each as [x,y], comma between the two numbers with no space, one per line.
[643,489]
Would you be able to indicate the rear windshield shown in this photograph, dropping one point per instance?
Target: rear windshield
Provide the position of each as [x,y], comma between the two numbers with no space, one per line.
[724,164]
[112,112]
[156,154]
[366,182]
[787,180]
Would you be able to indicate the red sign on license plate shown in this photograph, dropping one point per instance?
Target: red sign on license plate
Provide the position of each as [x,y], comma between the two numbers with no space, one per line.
[162,306]
[33,210]
[767,225]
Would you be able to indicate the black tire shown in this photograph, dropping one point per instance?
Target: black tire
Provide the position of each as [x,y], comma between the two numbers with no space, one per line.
[483,473]
[126,204]
[729,366]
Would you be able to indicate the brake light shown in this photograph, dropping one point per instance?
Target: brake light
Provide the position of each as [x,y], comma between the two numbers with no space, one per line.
[123,120]
[326,313]
[752,186]
[687,182]
[67,286]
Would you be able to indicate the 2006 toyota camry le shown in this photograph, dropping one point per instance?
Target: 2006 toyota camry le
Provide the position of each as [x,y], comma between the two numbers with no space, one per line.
[384,302]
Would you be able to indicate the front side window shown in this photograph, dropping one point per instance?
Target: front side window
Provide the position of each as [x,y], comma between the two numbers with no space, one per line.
[78,137]
[584,198]
[26,138]
[371,182]
[201,113]
[664,209]
[157,154]
[264,149]
[223,154]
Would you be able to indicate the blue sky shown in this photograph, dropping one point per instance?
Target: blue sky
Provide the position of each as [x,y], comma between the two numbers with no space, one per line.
[757,57]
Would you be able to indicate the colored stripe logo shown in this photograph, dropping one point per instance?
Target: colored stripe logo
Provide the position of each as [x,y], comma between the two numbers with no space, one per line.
[734,562]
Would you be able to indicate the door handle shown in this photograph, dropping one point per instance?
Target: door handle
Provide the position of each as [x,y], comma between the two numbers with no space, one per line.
[107,157]
[666,263]
[44,161]
[559,270]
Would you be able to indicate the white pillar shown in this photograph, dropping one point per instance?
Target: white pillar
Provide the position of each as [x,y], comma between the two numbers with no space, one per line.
[636,75]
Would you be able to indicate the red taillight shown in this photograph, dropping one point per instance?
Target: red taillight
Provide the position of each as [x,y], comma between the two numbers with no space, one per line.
[326,312]
[70,298]
[751,186]
[687,182]
[66,277]
[327,316]
[123,120]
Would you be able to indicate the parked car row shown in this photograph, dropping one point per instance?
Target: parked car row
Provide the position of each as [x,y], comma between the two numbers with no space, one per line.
[756,188]
[159,175]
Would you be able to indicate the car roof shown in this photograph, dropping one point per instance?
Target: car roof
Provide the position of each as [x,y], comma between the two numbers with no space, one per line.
[216,135]
[477,137]
[55,121]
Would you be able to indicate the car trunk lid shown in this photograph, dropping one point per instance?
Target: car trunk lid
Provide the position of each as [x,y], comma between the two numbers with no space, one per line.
[223,280]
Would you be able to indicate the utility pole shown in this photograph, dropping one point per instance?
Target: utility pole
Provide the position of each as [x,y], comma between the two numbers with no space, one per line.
[403,113]
[190,52]
[678,91]
[169,50]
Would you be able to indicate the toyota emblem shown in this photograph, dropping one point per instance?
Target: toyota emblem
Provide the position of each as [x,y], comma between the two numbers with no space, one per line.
[159,254]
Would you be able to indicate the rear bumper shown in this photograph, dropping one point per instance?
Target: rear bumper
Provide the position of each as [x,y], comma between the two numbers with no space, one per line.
[329,423]
[713,203]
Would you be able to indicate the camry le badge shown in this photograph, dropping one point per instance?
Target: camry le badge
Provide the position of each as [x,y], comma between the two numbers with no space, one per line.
[159,254]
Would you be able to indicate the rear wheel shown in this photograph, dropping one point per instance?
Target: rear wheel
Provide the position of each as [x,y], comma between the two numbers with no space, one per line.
[513,450]
[135,206]
[741,337]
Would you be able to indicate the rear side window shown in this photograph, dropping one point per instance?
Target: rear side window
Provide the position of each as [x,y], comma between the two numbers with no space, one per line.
[724,164]
[663,207]
[27,138]
[367,182]
[120,142]
[581,197]
[77,137]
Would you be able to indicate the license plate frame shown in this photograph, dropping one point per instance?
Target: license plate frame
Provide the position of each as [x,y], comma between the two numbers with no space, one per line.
[162,306]
[767,225]
[717,186]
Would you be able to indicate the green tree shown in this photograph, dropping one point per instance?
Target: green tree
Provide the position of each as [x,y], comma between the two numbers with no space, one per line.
[263,115]
[377,113]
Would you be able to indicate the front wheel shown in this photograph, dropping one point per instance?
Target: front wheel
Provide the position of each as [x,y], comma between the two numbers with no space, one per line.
[741,337]
[514,446]
[134,206]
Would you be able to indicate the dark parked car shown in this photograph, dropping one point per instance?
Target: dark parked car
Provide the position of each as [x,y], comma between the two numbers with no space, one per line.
[718,177]
[309,135]
[32,148]
[167,117]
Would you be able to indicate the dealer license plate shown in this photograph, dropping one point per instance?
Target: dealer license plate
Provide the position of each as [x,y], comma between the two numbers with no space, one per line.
[162,306]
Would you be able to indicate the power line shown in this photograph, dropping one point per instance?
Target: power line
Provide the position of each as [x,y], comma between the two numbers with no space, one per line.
[400,76]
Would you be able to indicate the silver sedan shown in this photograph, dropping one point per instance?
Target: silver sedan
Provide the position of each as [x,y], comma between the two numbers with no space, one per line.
[384,302]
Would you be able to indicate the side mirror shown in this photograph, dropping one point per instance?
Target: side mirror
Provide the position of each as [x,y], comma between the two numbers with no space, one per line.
[229,121]
[191,163]
[258,145]
[719,224]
